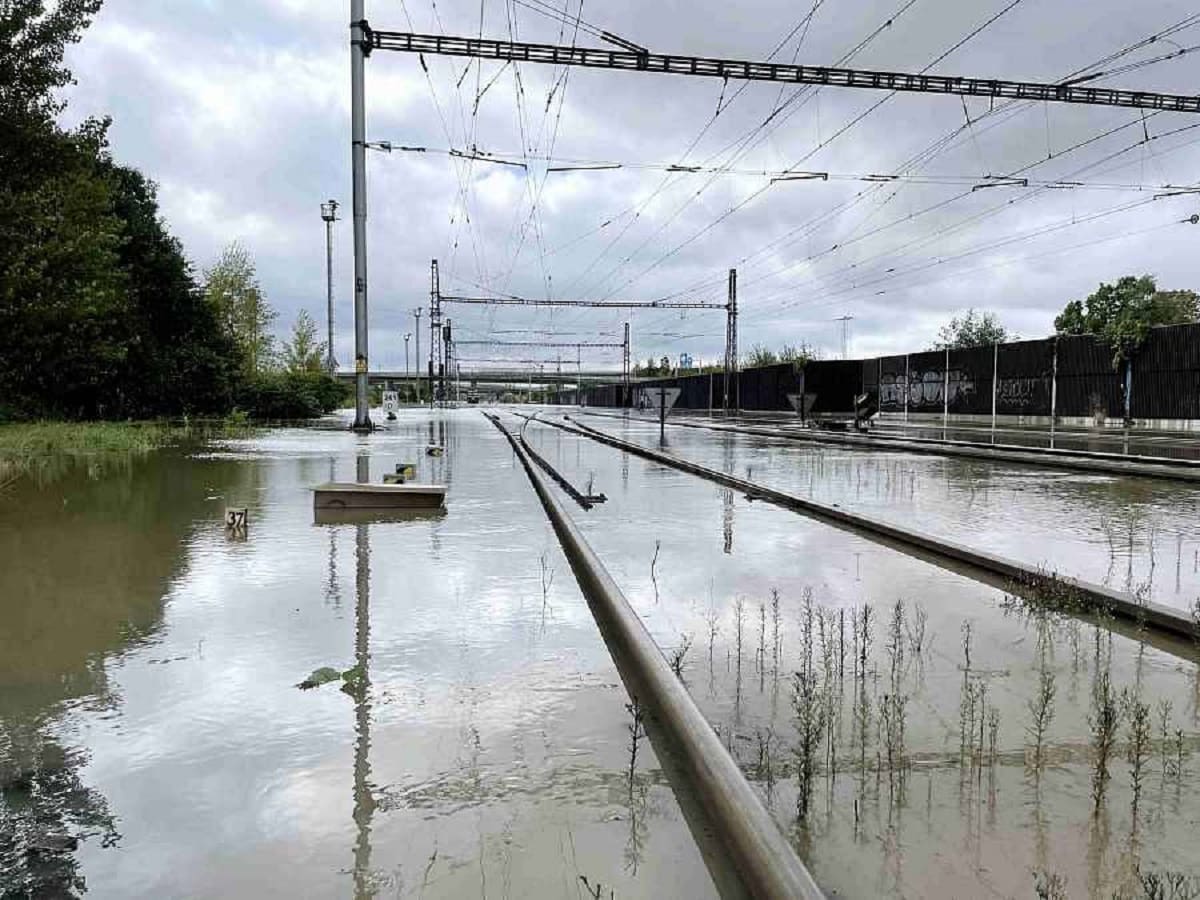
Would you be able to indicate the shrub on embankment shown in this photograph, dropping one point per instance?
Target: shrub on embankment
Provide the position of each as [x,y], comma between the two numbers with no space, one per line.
[290,395]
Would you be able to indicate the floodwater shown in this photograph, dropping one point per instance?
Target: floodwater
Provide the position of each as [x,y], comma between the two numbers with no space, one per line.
[1120,441]
[1133,534]
[153,741]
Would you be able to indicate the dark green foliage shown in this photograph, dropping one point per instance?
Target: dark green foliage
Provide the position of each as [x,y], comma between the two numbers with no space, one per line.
[290,395]
[975,329]
[1122,314]
[101,315]
[179,358]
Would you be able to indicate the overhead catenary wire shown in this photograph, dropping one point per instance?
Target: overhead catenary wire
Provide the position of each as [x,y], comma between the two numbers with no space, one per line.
[1031,183]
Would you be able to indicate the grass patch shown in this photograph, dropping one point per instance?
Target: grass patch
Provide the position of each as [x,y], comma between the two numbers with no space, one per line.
[24,444]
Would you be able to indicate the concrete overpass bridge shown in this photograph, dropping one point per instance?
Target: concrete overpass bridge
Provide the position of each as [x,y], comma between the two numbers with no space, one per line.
[489,378]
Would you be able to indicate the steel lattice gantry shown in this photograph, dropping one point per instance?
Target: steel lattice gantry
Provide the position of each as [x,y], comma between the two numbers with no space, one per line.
[639,60]
[632,58]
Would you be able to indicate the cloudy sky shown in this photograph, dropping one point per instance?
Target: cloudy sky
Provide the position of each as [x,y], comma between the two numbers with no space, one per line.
[240,110]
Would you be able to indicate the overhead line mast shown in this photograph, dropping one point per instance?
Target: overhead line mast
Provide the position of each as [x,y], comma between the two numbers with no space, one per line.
[634,58]
[641,60]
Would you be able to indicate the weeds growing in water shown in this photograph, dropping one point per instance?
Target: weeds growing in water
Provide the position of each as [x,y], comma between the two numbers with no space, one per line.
[637,732]
[1164,735]
[916,630]
[1041,711]
[1138,745]
[993,735]
[739,617]
[776,647]
[895,645]
[810,726]
[895,703]
[1103,722]
[547,580]
[679,654]
[713,620]
[762,640]
[1179,754]
[594,892]
[1168,886]
[864,643]
[653,569]
[1049,886]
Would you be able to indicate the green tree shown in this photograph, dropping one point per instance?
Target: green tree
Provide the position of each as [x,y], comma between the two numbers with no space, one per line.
[179,359]
[33,42]
[304,353]
[63,304]
[760,355]
[231,286]
[650,367]
[975,329]
[1122,314]
[789,353]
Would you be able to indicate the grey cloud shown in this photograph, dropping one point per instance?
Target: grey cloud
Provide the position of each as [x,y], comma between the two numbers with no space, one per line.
[240,111]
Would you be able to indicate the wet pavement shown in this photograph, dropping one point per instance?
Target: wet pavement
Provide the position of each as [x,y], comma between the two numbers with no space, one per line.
[149,663]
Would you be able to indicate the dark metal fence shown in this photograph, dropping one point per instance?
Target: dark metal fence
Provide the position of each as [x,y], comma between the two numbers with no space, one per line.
[1066,376]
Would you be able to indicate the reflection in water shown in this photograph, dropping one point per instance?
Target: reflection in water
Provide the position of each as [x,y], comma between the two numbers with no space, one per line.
[727,519]
[90,548]
[360,689]
[45,812]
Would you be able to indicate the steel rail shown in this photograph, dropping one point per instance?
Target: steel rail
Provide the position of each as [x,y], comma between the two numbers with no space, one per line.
[586,501]
[1117,603]
[764,860]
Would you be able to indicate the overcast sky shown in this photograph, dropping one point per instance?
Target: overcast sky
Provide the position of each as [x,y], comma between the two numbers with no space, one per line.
[240,110]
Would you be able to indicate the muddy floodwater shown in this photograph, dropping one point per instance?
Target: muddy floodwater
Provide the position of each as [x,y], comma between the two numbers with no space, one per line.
[914,731]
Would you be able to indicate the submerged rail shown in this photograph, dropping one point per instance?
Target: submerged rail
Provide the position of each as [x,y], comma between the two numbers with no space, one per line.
[765,863]
[1053,458]
[1116,603]
[586,501]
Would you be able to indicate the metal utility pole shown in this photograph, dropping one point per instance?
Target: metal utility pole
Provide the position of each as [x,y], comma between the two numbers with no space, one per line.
[417,315]
[360,46]
[407,335]
[625,369]
[731,344]
[329,216]
[845,320]
[447,358]
[435,336]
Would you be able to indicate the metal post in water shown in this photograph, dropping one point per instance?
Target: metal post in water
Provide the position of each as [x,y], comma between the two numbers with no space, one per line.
[1128,392]
[359,48]
[1053,389]
[907,388]
[417,369]
[662,415]
[946,393]
[995,385]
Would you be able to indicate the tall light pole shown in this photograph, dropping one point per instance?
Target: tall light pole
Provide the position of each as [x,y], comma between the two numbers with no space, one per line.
[417,315]
[329,216]
[359,47]
[406,337]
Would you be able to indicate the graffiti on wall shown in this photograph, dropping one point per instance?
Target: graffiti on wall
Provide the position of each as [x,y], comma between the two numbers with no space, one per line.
[927,389]
[1020,393]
